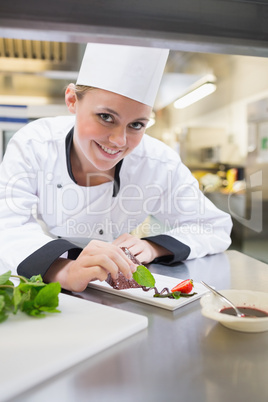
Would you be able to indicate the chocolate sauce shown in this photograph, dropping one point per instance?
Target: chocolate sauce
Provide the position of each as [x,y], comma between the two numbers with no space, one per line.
[248,311]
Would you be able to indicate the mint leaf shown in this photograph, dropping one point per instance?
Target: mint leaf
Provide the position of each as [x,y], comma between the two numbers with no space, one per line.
[7,294]
[144,277]
[3,309]
[30,309]
[32,296]
[36,279]
[5,277]
[176,295]
[2,303]
[48,296]
[49,309]
[3,316]
[16,299]
[25,287]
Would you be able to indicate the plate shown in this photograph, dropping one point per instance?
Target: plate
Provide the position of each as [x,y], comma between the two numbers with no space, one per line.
[211,305]
[161,281]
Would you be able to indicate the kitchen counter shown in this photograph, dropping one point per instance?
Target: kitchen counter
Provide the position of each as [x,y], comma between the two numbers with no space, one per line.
[181,355]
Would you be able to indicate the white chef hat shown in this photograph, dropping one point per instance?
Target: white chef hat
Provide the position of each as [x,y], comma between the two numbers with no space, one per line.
[131,71]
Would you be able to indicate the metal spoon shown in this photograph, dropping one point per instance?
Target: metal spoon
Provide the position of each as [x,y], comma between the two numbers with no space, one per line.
[238,313]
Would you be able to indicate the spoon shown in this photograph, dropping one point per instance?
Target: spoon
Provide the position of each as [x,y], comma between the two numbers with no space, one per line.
[238,313]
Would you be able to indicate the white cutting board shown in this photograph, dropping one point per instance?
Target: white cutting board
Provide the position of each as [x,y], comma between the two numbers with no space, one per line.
[161,281]
[32,350]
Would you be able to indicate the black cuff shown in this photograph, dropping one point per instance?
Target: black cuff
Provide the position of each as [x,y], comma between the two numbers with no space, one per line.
[40,261]
[179,250]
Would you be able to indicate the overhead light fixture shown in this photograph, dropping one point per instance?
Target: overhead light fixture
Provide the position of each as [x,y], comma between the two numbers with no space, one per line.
[59,74]
[195,95]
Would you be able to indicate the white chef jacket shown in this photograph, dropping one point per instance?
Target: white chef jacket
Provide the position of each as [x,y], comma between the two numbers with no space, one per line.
[45,214]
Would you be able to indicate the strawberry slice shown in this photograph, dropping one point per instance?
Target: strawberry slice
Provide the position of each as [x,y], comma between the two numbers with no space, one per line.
[184,286]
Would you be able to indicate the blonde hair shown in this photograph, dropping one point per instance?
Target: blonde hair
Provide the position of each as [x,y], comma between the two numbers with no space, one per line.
[80,90]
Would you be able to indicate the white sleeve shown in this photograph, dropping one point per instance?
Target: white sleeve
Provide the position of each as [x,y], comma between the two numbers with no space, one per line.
[20,233]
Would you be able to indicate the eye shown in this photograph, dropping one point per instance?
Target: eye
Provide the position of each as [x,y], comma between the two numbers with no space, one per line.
[137,125]
[106,117]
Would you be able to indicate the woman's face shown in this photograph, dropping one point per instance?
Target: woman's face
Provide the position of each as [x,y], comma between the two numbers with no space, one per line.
[108,127]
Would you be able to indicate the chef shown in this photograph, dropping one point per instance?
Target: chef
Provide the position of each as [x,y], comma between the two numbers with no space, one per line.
[73,188]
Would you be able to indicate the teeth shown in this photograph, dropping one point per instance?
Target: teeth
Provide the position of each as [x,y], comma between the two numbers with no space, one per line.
[108,150]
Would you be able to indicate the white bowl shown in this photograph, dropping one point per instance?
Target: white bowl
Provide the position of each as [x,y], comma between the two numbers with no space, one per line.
[211,306]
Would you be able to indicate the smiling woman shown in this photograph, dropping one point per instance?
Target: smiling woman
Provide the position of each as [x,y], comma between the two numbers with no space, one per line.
[103,135]
[73,188]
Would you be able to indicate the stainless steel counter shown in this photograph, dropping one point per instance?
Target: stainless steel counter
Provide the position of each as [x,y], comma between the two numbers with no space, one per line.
[182,356]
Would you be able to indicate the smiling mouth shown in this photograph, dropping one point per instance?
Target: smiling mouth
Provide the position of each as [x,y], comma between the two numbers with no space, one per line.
[109,150]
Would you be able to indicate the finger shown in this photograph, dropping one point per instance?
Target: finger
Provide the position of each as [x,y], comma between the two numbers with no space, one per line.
[103,248]
[136,249]
[112,260]
[109,249]
[99,273]
[131,267]
[122,239]
[101,260]
[81,281]
[143,257]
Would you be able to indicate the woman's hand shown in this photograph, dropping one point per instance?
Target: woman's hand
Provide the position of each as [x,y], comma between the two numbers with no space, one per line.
[96,261]
[145,251]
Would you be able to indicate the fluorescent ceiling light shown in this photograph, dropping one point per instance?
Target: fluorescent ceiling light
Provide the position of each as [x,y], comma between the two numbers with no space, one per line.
[60,75]
[195,95]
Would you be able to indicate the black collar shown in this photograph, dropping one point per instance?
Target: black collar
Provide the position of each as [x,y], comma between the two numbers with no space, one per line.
[68,145]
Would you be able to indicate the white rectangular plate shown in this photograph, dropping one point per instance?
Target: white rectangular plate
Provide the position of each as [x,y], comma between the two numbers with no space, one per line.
[161,281]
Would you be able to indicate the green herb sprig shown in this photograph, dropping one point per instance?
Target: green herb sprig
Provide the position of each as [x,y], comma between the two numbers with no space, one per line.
[32,296]
[174,295]
[145,278]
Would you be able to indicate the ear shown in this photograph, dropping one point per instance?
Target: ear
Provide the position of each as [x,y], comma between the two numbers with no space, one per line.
[70,98]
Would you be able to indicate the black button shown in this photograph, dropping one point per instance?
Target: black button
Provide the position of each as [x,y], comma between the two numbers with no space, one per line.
[101,232]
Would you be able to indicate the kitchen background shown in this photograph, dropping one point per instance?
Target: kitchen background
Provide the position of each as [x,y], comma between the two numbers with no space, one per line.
[222,138]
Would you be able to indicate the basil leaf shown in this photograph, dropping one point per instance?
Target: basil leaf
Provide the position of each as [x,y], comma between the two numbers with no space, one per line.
[144,277]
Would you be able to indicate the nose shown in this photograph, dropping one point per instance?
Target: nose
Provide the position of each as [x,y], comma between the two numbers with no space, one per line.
[118,136]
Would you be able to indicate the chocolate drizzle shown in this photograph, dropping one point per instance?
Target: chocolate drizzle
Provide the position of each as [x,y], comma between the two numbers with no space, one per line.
[159,294]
